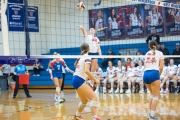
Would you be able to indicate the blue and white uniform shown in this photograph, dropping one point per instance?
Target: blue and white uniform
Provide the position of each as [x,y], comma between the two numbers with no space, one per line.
[57,68]
[80,75]
[151,73]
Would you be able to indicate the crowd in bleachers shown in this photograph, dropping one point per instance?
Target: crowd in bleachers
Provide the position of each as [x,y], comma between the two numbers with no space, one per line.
[131,74]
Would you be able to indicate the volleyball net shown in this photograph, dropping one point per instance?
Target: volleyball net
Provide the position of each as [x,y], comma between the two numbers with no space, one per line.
[52,26]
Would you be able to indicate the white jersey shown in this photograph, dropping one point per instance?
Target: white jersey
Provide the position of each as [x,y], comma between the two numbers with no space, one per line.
[80,67]
[154,18]
[93,43]
[120,71]
[98,22]
[140,71]
[111,71]
[113,22]
[97,72]
[177,15]
[179,70]
[6,68]
[135,22]
[131,71]
[172,69]
[164,72]
[148,60]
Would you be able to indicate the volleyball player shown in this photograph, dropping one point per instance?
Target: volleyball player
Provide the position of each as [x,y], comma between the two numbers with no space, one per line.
[172,70]
[111,77]
[57,65]
[132,71]
[154,62]
[164,79]
[94,45]
[140,71]
[120,70]
[99,76]
[84,91]
[178,74]
[154,18]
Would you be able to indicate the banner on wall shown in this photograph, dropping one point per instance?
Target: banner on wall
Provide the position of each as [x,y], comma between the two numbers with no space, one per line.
[134,21]
[0,22]
[33,19]
[16,1]
[153,19]
[16,17]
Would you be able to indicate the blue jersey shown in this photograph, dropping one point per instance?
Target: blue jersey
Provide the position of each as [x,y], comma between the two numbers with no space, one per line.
[57,66]
[20,69]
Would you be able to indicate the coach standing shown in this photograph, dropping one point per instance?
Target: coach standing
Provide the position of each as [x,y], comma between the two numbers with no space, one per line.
[20,69]
[154,36]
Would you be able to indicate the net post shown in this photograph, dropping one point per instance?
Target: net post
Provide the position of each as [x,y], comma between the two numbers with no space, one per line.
[27,28]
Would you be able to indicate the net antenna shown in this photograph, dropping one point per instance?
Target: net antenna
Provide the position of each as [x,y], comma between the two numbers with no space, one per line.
[4,27]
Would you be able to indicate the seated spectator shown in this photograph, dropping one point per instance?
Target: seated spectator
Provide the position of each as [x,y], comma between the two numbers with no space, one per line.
[128,63]
[127,53]
[164,50]
[119,53]
[176,52]
[136,60]
[105,62]
[36,68]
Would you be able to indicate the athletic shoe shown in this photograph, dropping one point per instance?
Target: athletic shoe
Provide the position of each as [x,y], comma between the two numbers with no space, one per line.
[176,90]
[128,91]
[162,91]
[141,91]
[153,117]
[62,93]
[166,92]
[147,116]
[77,117]
[111,91]
[117,91]
[97,119]
[121,91]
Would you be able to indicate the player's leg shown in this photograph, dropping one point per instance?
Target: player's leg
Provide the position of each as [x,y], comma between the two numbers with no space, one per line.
[175,79]
[98,84]
[133,81]
[118,85]
[86,91]
[140,82]
[166,80]
[104,86]
[56,83]
[162,83]
[129,86]
[112,80]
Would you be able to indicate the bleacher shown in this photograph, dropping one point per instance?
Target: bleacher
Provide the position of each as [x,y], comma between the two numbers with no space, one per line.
[44,81]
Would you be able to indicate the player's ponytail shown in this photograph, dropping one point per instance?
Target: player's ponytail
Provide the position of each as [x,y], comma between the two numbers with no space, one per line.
[153,46]
[84,50]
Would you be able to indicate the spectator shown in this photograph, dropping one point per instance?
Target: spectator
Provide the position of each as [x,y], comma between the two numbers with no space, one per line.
[164,50]
[20,69]
[6,70]
[176,52]
[105,62]
[127,53]
[119,54]
[154,36]
[36,68]
[136,60]
[128,63]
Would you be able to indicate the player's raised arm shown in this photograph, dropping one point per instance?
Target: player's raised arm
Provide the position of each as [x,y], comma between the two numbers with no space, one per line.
[83,30]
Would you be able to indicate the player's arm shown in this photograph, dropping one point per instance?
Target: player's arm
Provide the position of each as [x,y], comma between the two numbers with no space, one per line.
[161,65]
[87,71]
[83,30]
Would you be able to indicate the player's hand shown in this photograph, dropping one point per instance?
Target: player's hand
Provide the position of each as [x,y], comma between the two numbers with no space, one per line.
[79,26]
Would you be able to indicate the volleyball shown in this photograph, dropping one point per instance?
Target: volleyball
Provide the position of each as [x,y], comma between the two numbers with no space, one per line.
[81,6]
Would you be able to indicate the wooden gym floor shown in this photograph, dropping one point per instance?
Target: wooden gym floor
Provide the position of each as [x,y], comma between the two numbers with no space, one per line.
[112,107]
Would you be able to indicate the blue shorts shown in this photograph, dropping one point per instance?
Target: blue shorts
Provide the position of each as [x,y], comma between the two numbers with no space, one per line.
[57,75]
[150,76]
[93,54]
[77,82]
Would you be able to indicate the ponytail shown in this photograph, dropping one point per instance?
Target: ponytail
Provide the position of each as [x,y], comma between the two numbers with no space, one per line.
[153,53]
[77,60]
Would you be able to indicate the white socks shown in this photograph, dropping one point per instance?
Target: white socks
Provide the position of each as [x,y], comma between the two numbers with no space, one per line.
[78,113]
[152,112]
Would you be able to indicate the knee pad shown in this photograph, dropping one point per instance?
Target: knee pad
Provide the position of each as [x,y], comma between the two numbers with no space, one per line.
[81,105]
[94,103]
[57,89]
[155,98]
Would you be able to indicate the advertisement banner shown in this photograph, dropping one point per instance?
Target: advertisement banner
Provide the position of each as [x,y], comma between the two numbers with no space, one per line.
[16,17]
[33,19]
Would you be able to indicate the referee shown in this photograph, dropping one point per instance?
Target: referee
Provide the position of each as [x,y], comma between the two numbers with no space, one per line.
[20,69]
